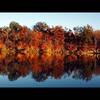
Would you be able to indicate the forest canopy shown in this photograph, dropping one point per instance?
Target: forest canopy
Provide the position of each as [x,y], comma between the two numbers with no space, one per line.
[16,40]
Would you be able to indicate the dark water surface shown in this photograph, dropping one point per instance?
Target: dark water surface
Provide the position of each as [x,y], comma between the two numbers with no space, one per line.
[69,71]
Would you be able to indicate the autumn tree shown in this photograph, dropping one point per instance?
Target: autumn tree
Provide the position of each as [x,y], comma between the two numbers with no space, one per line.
[79,34]
[97,39]
[69,38]
[88,34]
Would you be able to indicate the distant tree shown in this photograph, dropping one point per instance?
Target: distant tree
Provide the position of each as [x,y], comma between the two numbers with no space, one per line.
[97,39]
[41,26]
[79,35]
[88,34]
[78,30]
[84,35]
[15,26]
[58,32]
[69,36]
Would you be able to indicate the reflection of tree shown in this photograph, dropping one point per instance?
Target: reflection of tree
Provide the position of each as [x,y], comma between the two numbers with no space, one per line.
[82,68]
[14,69]
[56,66]
[85,70]
[39,77]
[13,76]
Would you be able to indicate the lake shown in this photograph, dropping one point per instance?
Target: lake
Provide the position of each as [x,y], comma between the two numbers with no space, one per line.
[58,71]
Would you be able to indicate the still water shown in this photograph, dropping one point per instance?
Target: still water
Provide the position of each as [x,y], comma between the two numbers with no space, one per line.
[68,71]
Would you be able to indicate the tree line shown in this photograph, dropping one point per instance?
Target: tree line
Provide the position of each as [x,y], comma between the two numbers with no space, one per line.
[23,42]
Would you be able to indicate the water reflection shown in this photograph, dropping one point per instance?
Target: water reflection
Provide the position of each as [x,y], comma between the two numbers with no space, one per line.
[82,67]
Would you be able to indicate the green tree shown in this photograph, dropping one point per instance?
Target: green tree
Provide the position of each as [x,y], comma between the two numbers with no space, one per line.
[15,26]
[41,26]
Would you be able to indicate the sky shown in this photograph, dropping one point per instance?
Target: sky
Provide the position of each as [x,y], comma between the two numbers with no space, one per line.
[68,20]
